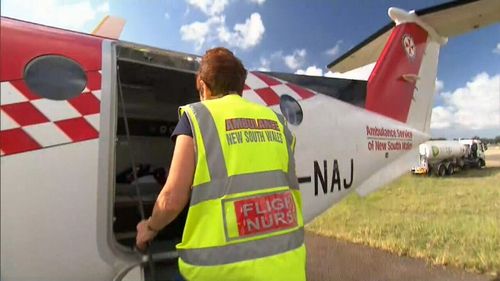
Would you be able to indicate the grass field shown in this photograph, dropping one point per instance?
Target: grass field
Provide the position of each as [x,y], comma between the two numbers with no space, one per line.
[449,221]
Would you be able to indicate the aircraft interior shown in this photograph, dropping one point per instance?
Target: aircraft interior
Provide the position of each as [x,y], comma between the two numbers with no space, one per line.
[150,88]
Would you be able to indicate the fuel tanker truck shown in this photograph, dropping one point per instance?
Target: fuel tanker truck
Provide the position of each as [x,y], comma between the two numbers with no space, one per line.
[445,157]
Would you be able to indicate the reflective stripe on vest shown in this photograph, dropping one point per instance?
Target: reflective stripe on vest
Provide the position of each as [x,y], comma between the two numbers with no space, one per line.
[244,251]
[216,164]
[239,183]
[218,186]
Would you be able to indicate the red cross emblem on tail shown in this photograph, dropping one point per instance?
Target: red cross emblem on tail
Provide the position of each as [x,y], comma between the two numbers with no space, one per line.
[409,46]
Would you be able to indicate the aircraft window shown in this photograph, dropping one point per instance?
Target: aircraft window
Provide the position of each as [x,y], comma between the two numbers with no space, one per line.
[55,77]
[291,110]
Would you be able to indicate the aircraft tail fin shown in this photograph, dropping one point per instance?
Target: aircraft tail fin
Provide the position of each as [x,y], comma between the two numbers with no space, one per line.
[401,85]
[110,27]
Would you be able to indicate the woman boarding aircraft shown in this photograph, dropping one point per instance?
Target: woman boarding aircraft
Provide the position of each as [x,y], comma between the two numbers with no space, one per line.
[84,120]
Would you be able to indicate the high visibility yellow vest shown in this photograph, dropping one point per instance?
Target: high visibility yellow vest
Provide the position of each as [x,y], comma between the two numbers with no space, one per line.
[245,215]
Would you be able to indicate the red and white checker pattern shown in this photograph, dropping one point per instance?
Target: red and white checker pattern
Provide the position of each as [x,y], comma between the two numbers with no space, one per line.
[29,122]
[267,90]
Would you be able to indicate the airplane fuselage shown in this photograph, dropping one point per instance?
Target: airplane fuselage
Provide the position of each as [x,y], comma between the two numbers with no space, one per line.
[66,212]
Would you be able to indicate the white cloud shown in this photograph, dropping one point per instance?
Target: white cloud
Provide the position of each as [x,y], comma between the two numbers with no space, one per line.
[62,14]
[244,35]
[166,16]
[199,32]
[441,118]
[475,106]
[269,62]
[464,133]
[278,55]
[209,7]
[438,86]
[265,64]
[335,50]
[311,71]
[296,59]
[259,2]
[361,73]
[497,49]
[103,8]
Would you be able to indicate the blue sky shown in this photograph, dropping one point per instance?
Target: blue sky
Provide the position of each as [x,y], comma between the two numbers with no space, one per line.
[294,36]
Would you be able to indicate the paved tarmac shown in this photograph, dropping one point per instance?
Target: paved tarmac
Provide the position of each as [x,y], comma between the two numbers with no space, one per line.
[331,259]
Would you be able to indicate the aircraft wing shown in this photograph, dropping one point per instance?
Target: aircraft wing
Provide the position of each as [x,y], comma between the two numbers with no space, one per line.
[448,19]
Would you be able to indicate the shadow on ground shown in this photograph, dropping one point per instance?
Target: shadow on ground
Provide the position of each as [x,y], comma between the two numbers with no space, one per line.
[478,173]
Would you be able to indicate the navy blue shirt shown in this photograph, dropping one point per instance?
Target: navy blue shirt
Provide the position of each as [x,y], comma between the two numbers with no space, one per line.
[182,128]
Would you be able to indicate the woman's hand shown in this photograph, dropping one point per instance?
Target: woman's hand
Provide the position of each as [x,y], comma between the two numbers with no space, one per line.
[144,235]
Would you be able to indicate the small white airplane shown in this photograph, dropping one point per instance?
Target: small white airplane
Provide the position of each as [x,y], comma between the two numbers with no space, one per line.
[85,120]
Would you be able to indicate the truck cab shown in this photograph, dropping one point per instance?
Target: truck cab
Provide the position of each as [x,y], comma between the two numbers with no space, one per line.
[475,156]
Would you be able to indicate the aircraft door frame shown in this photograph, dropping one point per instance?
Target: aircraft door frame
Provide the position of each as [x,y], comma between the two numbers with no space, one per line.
[109,249]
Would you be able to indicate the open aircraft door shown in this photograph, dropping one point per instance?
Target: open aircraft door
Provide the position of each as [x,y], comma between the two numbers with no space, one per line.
[142,90]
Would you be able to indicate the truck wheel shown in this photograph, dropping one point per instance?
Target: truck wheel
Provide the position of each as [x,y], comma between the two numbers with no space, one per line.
[451,169]
[441,171]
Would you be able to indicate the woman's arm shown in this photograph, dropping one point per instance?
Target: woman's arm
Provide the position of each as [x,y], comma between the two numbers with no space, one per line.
[175,193]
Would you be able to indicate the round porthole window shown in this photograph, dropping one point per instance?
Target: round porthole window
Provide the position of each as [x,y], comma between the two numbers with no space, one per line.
[291,109]
[55,77]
